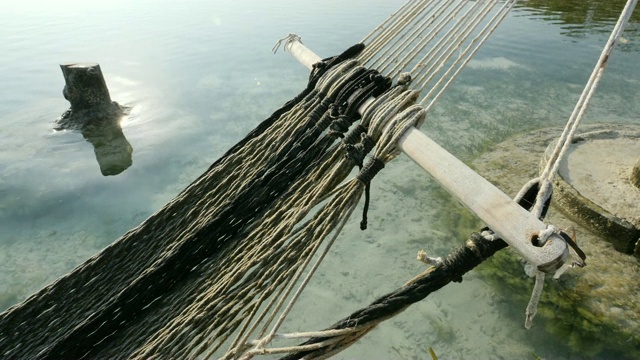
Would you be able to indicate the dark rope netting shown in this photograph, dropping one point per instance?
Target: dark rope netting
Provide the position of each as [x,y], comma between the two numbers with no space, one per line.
[89,312]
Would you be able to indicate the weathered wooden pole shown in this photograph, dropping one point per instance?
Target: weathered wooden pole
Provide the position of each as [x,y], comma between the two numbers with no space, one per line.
[635,174]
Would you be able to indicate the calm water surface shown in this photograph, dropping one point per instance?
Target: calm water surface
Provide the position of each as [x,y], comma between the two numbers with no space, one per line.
[200,74]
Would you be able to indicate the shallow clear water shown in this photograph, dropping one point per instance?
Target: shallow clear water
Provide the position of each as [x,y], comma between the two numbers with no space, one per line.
[199,75]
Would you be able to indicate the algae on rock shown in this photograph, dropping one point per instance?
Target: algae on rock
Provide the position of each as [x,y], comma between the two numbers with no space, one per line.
[594,310]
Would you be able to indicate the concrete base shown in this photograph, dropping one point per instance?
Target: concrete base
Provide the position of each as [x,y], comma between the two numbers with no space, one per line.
[594,309]
[594,188]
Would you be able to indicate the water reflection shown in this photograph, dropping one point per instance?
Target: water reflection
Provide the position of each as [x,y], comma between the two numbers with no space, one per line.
[581,17]
[102,129]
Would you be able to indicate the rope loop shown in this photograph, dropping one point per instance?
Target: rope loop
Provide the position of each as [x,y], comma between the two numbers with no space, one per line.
[286,41]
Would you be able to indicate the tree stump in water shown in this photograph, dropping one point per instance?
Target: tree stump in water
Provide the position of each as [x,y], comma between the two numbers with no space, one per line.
[635,174]
[94,114]
[87,92]
[85,86]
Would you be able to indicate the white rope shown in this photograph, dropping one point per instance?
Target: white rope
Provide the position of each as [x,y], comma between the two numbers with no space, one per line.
[566,138]
[310,334]
[392,125]
[532,307]
[467,54]
[402,42]
[390,32]
[411,22]
[394,15]
[565,141]
[451,41]
[260,345]
[394,47]
[426,39]
[409,34]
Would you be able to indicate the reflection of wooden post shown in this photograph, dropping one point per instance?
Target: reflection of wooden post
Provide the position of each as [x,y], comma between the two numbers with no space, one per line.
[111,147]
[85,86]
[635,174]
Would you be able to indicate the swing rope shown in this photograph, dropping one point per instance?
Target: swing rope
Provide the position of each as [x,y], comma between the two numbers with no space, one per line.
[545,180]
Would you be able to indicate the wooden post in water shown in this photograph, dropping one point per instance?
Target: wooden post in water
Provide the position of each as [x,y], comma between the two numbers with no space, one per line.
[95,116]
[85,86]
[635,174]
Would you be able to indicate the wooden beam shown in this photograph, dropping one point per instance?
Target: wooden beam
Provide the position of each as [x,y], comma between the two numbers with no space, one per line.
[504,216]
[305,56]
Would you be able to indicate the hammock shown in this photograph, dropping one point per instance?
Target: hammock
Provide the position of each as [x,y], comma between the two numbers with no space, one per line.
[214,268]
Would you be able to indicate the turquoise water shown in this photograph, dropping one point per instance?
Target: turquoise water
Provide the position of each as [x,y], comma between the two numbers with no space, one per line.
[199,75]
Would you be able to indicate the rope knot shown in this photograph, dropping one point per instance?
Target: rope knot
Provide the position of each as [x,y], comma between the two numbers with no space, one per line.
[354,136]
[357,152]
[367,144]
[324,122]
[339,126]
[370,170]
[467,257]
[334,110]
[404,79]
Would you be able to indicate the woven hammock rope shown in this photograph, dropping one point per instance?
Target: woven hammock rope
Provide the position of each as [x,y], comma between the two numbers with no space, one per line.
[167,288]
[213,272]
